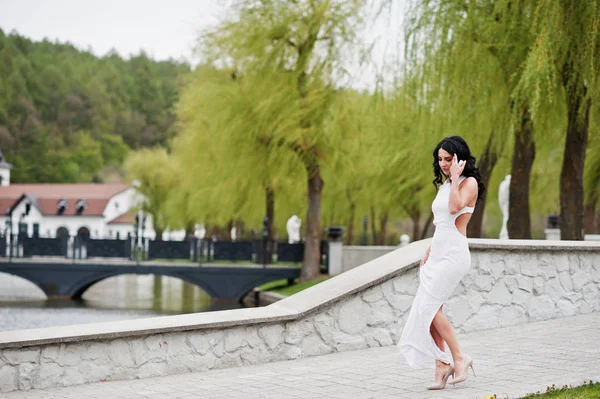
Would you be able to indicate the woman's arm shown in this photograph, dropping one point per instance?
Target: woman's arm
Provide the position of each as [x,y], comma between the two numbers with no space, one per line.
[425,257]
[460,196]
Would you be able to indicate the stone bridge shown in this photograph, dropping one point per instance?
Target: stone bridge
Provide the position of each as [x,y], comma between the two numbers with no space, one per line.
[67,279]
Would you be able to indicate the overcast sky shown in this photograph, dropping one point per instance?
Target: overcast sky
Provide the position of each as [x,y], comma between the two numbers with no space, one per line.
[164,29]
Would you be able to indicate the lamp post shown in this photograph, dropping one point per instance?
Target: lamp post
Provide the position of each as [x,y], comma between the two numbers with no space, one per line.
[143,244]
[136,227]
[265,236]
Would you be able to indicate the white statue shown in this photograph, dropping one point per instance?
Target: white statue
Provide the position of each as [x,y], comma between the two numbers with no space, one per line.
[503,199]
[200,231]
[233,233]
[293,229]
[404,240]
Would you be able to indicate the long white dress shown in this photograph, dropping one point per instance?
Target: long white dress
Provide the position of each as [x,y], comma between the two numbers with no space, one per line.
[448,262]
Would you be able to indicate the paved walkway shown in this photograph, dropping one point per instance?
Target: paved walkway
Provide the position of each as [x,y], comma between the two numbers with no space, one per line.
[509,362]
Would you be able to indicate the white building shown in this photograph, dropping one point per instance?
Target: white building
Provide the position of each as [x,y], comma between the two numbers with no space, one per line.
[89,210]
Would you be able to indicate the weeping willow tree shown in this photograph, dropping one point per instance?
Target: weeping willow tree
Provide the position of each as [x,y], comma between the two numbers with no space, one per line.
[562,66]
[463,58]
[347,167]
[227,122]
[156,176]
[406,153]
[528,58]
[298,43]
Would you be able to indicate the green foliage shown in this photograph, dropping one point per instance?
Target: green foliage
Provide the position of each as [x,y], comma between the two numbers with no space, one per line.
[154,175]
[67,116]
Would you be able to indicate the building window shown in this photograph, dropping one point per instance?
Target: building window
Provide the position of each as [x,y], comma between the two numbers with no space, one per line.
[80,206]
[61,206]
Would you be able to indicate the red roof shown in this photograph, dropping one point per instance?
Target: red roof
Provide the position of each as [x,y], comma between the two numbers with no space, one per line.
[126,218]
[47,196]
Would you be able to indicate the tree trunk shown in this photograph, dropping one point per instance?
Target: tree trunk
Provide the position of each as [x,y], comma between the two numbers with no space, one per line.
[228,231]
[590,217]
[487,162]
[270,211]
[383,229]
[350,233]
[312,245]
[373,227]
[571,175]
[519,222]
[416,217]
[239,225]
[190,227]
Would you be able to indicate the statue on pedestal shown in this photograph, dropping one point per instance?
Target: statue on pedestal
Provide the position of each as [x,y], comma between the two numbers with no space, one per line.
[293,229]
[503,199]
[404,240]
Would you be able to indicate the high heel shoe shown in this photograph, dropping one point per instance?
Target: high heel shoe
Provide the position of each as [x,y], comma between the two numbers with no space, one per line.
[442,384]
[467,363]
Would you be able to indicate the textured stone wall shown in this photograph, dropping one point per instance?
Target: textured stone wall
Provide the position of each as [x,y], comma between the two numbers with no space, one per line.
[503,287]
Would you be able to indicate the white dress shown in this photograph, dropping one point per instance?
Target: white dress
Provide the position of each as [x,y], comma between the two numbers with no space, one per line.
[448,262]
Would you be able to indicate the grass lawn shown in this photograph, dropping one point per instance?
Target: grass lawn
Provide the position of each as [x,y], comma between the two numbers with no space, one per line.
[281,287]
[587,391]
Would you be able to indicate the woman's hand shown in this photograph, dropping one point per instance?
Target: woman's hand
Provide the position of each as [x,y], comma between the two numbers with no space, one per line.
[424,260]
[457,167]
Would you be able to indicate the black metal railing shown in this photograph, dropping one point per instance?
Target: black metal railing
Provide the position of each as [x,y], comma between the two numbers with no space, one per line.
[194,250]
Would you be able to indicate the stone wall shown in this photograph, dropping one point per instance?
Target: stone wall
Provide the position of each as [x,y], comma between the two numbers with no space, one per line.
[509,283]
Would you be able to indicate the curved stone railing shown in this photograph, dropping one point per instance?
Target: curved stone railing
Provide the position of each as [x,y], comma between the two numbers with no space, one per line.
[510,282]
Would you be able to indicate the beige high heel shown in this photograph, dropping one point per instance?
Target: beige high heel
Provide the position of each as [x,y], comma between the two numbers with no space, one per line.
[442,384]
[468,363]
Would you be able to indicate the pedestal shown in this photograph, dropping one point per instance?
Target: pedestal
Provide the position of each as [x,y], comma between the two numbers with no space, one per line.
[335,257]
[552,234]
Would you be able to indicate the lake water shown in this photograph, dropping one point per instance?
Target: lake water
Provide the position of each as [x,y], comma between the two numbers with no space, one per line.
[24,306]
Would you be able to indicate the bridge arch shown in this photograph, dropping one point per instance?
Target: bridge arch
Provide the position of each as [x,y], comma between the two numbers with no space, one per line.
[83,285]
[14,286]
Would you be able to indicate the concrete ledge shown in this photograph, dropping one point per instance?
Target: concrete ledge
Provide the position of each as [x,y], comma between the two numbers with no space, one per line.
[288,309]
[533,245]
[147,326]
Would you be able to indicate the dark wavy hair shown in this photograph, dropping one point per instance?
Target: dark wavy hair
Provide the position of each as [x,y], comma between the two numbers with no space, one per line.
[457,145]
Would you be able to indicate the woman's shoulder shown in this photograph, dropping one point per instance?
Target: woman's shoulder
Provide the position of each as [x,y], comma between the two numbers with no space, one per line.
[468,181]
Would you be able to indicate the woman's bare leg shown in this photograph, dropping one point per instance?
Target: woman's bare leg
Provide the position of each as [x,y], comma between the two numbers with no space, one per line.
[440,367]
[437,338]
[444,328]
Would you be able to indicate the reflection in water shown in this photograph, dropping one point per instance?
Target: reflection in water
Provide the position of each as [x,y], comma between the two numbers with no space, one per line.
[160,294]
[23,305]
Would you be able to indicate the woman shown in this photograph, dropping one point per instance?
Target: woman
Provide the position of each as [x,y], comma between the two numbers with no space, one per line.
[445,263]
